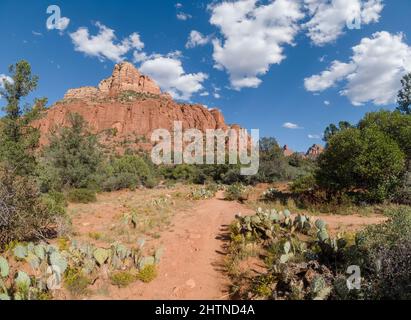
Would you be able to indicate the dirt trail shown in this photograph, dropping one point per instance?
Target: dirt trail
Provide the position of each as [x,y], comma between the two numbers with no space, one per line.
[192,265]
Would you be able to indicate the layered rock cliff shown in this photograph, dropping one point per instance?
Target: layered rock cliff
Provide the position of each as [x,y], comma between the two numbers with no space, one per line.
[126,108]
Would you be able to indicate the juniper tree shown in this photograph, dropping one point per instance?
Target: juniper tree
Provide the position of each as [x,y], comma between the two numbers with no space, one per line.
[18,139]
[404,95]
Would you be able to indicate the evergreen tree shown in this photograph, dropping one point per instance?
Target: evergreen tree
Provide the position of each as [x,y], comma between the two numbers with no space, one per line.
[18,139]
[404,95]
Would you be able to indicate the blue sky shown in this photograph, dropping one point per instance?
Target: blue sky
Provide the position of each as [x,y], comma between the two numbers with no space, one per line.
[266,64]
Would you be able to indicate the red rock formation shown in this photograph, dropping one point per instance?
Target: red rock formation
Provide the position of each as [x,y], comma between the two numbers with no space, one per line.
[287,151]
[126,108]
[315,151]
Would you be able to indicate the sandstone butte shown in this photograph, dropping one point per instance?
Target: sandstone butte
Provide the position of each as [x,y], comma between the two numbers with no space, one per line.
[125,109]
[313,152]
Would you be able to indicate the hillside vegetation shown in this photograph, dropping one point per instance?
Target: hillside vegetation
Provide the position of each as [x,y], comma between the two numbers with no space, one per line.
[363,165]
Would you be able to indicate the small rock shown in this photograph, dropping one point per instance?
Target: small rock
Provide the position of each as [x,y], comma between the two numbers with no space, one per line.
[191,284]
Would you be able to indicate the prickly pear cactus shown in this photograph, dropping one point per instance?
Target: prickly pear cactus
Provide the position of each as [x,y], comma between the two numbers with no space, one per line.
[56,259]
[320,224]
[287,213]
[287,247]
[146,261]
[54,279]
[40,251]
[4,268]
[33,260]
[22,280]
[20,252]
[101,256]
[88,266]
[4,297]
[319,288]
[274,216]
[141,242]
[323,235]
[121,251]
[158,255]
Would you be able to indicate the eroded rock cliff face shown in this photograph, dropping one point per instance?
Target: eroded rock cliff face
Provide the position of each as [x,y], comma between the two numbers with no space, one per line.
[126,108]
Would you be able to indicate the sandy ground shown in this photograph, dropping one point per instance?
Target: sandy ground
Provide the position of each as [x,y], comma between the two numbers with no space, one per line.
[338,223]
[192,267]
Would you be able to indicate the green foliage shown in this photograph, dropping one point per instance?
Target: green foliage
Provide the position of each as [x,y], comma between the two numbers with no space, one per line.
[122,279]
[274,166]
[332,129]
[183,172]
[18,139]
[203,193]
[236,192]
[404,95]
[303,184]
[397,229]
[55,202]
[395,125]
[72,158]
[128,171]
[314,268]
[101,256]
[23,214]
[76,282]
[385,250]
[148,273]
[362,159]
[82,196]
[4,267]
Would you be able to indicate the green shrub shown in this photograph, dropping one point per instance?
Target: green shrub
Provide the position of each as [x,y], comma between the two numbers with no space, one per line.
[19,140]
[365,159]
[76,282]
[23,213]
[236,192]
[128,171]
[303,184]
[391,280]
[148,273]
[73,157]
[82,196]
[122,279]
[388,234]
[203,193]
[56,202]
[385,250]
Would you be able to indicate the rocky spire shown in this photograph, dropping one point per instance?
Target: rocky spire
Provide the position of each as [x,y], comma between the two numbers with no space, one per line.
[125,77]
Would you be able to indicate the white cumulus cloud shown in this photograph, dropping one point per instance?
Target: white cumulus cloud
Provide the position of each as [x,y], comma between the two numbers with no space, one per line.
[373,73]
[103,45]
[314,136]
[196,38]
[253,37]
[3,79]
[329,18]
[169,73]
[183,16]
[290,125]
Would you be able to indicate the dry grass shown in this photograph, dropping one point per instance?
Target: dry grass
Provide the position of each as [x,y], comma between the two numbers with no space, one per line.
[109,218]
